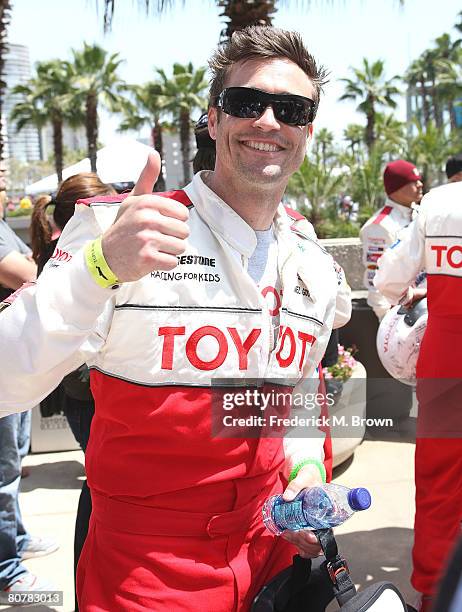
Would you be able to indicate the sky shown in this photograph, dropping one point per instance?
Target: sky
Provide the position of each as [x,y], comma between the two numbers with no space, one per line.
[339,33]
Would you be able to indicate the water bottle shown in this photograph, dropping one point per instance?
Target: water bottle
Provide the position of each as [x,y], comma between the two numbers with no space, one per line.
[318,507]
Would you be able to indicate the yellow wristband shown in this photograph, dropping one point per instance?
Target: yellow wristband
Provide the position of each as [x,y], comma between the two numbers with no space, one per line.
[98,266]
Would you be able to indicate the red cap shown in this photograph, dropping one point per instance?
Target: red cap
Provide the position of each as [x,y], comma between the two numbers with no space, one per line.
[399,173]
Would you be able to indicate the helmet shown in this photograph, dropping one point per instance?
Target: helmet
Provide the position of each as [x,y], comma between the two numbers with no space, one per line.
[399,337]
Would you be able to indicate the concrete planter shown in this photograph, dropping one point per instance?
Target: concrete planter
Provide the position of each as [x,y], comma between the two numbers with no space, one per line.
[20,225]
[348,253]
[50,434]
[346,435]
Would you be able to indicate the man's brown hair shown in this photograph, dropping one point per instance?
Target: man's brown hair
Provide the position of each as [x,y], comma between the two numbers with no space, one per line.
[263,42]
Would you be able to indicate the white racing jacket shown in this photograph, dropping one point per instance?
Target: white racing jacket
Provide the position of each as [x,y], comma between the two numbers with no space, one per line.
[377,234]
[432,242]
[201,324]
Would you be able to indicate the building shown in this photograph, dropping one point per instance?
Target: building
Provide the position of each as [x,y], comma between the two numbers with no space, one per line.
[172,163]
[24,145]
[74,139]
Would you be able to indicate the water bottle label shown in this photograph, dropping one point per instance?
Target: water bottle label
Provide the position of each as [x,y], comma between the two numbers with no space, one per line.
[289,515]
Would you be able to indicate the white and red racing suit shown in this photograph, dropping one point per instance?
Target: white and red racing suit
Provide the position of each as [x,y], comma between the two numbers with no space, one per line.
[176,522]
[377,234]
[433,242]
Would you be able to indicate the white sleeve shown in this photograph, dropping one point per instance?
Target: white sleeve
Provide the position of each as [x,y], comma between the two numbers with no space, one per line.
[400,264]
[375,240]
[301,441]
[54,325]
[343,305]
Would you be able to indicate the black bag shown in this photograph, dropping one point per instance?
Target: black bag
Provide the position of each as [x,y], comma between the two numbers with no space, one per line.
[54,403]
[77,384]
[309,586]
[291,590]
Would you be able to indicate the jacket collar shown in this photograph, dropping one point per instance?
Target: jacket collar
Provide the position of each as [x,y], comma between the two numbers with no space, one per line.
[221,218]
[403,211]
[294,255]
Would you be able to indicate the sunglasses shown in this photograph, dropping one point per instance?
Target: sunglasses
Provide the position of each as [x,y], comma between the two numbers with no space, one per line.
[248,103]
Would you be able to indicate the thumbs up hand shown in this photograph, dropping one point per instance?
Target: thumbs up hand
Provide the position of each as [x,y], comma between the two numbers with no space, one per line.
[150,231]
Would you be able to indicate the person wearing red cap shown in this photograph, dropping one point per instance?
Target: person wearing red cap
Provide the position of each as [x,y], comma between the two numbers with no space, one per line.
[403,186]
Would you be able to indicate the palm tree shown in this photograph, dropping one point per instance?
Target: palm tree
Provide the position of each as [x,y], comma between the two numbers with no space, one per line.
[392,135]
[354,135]
[424,77]
[430,57]
[238,13]
[318,184]
[450,83]
[446,51]
[429,149]
[366,180]
[416,79]
[147,108]
[371,87]
[458,25]
[46,99]
[324,139]
[96,81]
[5,8]
[183,94]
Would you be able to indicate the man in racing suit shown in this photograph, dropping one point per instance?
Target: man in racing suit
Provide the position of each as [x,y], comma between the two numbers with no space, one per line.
[168,327]
[403,186]
[434,242]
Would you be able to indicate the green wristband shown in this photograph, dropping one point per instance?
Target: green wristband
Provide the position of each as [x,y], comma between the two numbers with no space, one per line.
[316,462]
[98,266]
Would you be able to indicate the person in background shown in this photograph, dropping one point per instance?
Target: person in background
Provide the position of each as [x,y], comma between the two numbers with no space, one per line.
[205,156]
[16,268]
[16,263]
[433,242]
[73,394]
[346,204]
[454,169]
[403,186]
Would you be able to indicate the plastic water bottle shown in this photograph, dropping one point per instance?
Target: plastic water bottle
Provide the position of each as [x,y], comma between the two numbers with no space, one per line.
[319,507]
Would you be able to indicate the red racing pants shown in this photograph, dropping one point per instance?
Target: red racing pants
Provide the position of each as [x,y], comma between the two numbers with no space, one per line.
[438,456]
[139,558]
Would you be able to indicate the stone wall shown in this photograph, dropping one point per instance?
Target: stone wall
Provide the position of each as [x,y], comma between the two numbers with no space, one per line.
[20,225]
[348,253]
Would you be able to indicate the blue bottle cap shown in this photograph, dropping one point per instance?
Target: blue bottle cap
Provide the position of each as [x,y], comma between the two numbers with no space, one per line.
[359,498]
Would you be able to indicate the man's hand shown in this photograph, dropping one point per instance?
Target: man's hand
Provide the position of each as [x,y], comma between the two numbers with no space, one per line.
[149,232]
[412,296]
[306,542]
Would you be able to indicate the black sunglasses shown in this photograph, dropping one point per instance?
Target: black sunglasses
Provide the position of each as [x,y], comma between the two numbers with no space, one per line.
[248,103]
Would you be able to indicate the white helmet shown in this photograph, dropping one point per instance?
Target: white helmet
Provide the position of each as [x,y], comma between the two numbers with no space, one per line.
[399,337]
